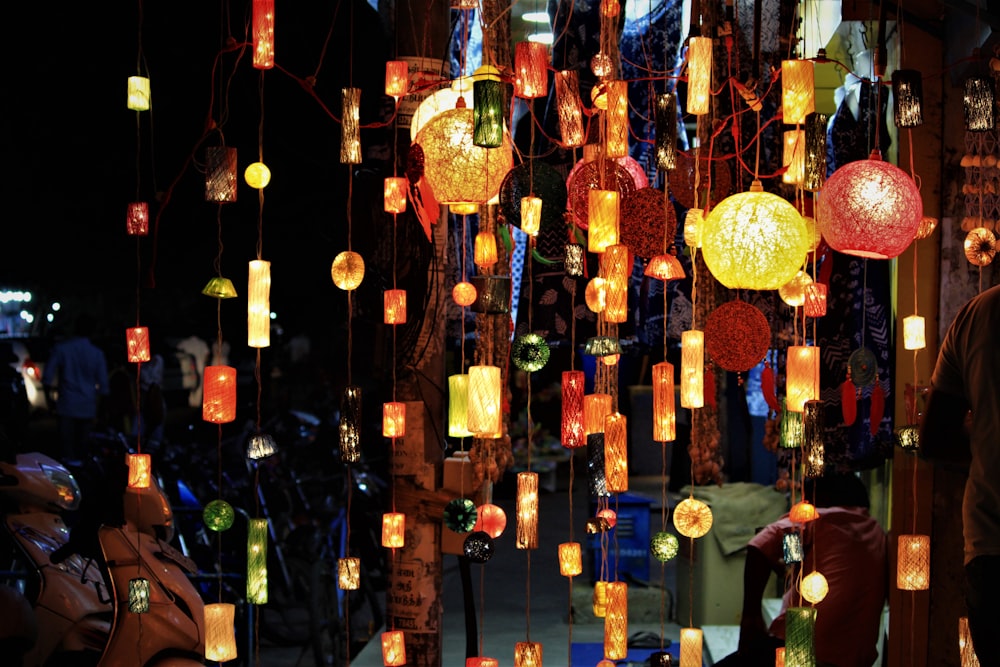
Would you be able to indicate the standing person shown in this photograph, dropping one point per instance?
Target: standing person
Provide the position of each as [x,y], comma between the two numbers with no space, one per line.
[77,373]
[961,427]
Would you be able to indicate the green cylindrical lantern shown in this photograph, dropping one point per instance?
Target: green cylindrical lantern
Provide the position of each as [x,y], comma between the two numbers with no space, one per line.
[458,406]
[800,637]
[487,109]
[257,561]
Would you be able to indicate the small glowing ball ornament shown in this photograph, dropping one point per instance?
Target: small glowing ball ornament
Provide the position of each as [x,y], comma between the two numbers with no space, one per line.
[608,515]
[980,246]
[737,336]
[814,587]
[348,270]
[492,520]
[596,294]
[754,240]
[460,515]
[257,175]
[664,546]
[692,518]
[464,293]
[478,546]
[530,352]
[218,515]
[870,208]
[794,291]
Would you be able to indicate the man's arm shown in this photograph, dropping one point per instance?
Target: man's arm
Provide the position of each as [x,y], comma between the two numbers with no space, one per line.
[944,436]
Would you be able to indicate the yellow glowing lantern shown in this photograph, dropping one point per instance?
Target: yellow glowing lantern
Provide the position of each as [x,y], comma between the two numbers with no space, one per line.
[349,573]
[137,218]
[913,563]
[602,219]
[440,100]
[616,134]
[485,393]
[138,93]
[463,293]
[220,632]
[257,561]
[394,419]
[596,408]
[596,294]
[664,413]
[219,396]
[794,157]
[616,452]
[219,288]
[802,376]
[393,648]
[691,645]
[263,34]
[531,69]
[966,650]
[800,636]
[692,518]
[347,270]
[393,530]
[531,215]
[754,240]
[814,587]
[694,220]
[397,78]
[257,175]
[616,621]
[699,75]
[526,531]
[458,406]
[527,654]
[484,252]
[616,268]
[394,306]
[794,291]
[570,559]
[137,344]
[913,333]
[394,194]
[692,369]
[600,598]
[139,471]
[798,91]
[259,304]
[569,108]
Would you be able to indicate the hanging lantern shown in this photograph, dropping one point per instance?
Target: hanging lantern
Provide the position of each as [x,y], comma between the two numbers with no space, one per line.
[664,412]
[530,69]
[754,240]
[138,93]
[737,335]
[913,333]
[694,221]
[714,171]
[907,98]
[220,174]
[616,452]
[691,644]
[218,515]
[616,269]
[798,91]
[870,208]
[595,295]
[393,648]
[596,407]
[791,428]
[927,226]
[460,515]
[527,654]
[601,65]
[530,352]
[908,438]
[487,106]
[348,270]
[394,419]
[779,657]
[478,547]
[531,215]
[220,288]
[437,102]
[595,471]
[602,220]
[980,246]
[791,548]
[394,194]
[263,34]
[257,561]
[527,511]
[137,344]
[349,573]
[802,376]
[692,518]
[569,108]
[803,512]
[260,445]
[458,406]
[814,587]
[573,260]
[699,90]
[656,659]
[663,546]
[666,131]
[463,293]
[492,294]
[482,661]
[814,451]
[485,393]
[139,471]
[815,302]
[617,130]
[219,397]
[570,559]
[600,598]
[616,621]
[137,218]
[220,632]
[572,433]
[800,629]
[492,520]
[967,652]
[394,306]
[393,530]
[350,126]
[692,369]
[397,78]
[259,304]
[664,267]
[350,424]
[485,249]
[980,107]
[794,157]
[138,595]
[257,175]
[815,156]
[913,563]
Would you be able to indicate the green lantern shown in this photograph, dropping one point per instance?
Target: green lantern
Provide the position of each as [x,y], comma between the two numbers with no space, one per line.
[218,515]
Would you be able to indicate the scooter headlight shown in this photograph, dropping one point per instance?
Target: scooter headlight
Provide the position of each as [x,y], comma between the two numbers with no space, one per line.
[66,486]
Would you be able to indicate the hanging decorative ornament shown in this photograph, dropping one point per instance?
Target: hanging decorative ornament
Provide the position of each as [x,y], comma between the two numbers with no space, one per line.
[980,246]
[257,175]
[907,98]
[531,61]
[530,352]
[616,621]
[350,126]
[569,108]
[218,515]
[595,408]
[140,471]
[791,548]
[220,288]
[815,157]
[664,546]
[603,217]
[485,398]
[800,636]
[616,454]
[692,369]
[979,104]
[664,267]
[600,598]
[793,292]
[394,419]
[598,174]
[220,632]
[802,376]
[616,119]
[863,366]
[220,174]
[347,270]
[681,180]
[394,194]
[692,518]
[908,438]
[349,573]
[791,429]
[814,450]
[138,98]
[694,219]
[492,520]
[803,512]
[257,561]
[913,562]
[691,647]
[737,336]
[646,219]
[138,595]
[666,131]
[350,424]
[259,304]
[394,306]
[664,411]
[616,267]
[137,344]
[137,218]
[794,157]
[927,226]
[458,406]
[570,559]
[814,587]
[263,34]
[393,530]
[656,659]
[595,295]
[487,106]
[571,425]
[219,396]
[526,529]
[527,654]
[397,78]
[463,293]
[699,69]
[798,91]
[393,648]
[815,303]
[481,661]
[460,515]
[966,650]
[767,388]
[573,260]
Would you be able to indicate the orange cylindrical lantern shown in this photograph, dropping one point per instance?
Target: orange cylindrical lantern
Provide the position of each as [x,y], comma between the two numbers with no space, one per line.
[481,661]
[394,419]
[570,559]
[531,215]
[913,563]
[394,194]
[815,304]
[802,376]
[492,520]
[794,157]
[527,511]
[692,369]
[531,61]
[259,304]
[699,75]
[664,412]
[393,648]
[616,621]
[350,126]
[484,250]
[798,91]
[397,78]
[137,218]
[393,530]
[139,471]
[263,34]
[569,108]
[616,270]
[527,654]
[600,598]
[616,452]
[572,432]
[691,644]
[595,408]
[349,573]
[219,397]
[616,136]
[779,657]
[394,306]
[137,344]
[220,632]
[602,219]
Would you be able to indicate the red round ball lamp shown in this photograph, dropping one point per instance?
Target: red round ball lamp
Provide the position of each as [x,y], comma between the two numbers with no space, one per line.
[737,336]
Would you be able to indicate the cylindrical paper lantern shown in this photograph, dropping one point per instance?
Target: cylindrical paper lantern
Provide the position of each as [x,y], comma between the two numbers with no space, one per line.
[573,260]
[350,424]
[914,333]
[260,445]
[394,419]
[527,511]
[220,174]
[349,573]
[492,520]
[137,218]
[569,108]
[692,369]
[570,559]
[616,270]
[814,587]
[458,406]
[616,452]
[257,175]
[137,344]
[802,376]
[966,650]
[812,438]
[220,632]
[397,78]
[602,220]
[616,621]
[815,157]
[913,563]
[531,61]
[527,654]
[487,107]
[393,648]
[394,306]
[485,394]
[482,661]
[259,304]
[694,221]
[484,252]
[347,270]
[531,215]
[616,134]
[394,194]
[572,434]
[980,107]
[263,34]
[815,303]
[350,126]
[691,643]
[791,548]
[257,561]
[138,93]
[138,595]
[794,157]
[800,628]
[699,75]
[139,471]
[393,530]
[798,91]
[666,131]
[692,518]
[664,412]
[596,407]
[219,397]
[779,657]
[907,98]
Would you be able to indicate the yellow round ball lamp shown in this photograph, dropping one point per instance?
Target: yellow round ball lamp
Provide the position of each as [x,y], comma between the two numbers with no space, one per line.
[257,175]
[692,518]
[754,240]
[348,270]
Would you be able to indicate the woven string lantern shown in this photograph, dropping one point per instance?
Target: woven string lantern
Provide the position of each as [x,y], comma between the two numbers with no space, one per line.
[791,548]
[349,573]
[394,419]
[488,116]
[137,344]
[219,398]
[485,393]
[463,293]
[347,270]
[596,407]
[907,98]
[458,406]
[616,621]
[350,126]
[137,218]
[572,433]
[259,304]
[138,93]
[602,220]
[737,336]
[914,333]
[647,219]
[779,657]
[666,131]
[595,294]
[815,158]
[219,288]
[966,650]
[394,306]
[803,512]
[699,75]
[616,452]
[814,453]
[492,520]
[794,291]
[350,424]
[394,194]
[979,104]
[218,515]
[694,221]
[798,91]
[478,547]
[484,252]
[664,412]
[263,34]
[220,174]
[980,246]
[814,587]
[616,269]
[570,559]
[791,428]
[531,215]
[870,208]
[754,240]
[393,648]
[600,598]
[794,157]
[257,561]
[691,643]
[692,518]
[139,471]
[527,654]
[569,108]
[815,302]
[599,173]
[913,563]
[393,530]
[220,632]
[800,632]
[397,78]
[692,369]
[138,595]
[664,267]
[802,376]
[531,61]
[526,531]
[617,131]
[260,445]
[257,175]
[664,546]
[573,260]
[481,661]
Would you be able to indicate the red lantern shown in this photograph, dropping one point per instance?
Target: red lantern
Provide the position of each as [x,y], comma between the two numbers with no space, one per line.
[137,343]
[394,306]
[572,409]
[492,520]
[137,218]
[397,78]
[531,69]
[393,648]
[737,336]
[394,194]
[815,305]
[219,399]
[263,34]
[394,419]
